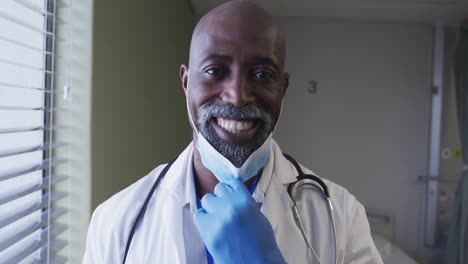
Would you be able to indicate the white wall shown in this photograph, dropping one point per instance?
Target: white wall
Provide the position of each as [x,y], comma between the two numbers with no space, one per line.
[367,127]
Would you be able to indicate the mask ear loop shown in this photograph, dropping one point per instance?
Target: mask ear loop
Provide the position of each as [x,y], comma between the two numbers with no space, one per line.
[188,107]
[279,117]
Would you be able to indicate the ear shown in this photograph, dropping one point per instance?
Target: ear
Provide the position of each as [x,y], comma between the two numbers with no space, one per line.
[184,77]
[285,82]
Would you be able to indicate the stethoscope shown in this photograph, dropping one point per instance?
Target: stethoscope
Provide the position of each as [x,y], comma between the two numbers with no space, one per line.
[326,195]
[291,191]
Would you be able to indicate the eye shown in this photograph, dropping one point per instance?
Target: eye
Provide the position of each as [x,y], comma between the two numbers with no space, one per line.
[264,75]
[215,71]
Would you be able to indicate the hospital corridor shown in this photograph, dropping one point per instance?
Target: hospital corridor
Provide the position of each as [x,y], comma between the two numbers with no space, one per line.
[269,131]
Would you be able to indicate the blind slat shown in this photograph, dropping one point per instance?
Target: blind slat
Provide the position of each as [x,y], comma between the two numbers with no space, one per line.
[22,65]
[59,260]
[12,85]
[20,235]
[24,170]
[18,151]
[18,256]
[28,228]
[64,3]
[22,23]
[24,45]
[20,192]
[31,208]
[56,259]
[56,245]
[33,7]
[20,129]
[57,212]
[22,108]
[22,232]
[27,129]
[58,229]
[27,210]
[25,108]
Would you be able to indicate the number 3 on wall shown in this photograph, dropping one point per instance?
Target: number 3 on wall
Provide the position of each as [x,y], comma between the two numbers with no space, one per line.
[312,87]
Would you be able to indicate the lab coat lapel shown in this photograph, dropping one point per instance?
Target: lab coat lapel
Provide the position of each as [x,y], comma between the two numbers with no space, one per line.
[180,183]
[276,202]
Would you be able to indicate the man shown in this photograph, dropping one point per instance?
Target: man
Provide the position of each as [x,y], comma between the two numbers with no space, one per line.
[234,85]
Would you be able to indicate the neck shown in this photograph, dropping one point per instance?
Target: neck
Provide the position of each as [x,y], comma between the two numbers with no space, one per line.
[205,181]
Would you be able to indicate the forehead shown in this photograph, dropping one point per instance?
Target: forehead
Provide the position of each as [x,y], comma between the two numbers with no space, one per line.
[236,39]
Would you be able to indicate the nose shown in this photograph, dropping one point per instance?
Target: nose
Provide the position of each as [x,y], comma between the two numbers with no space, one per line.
[238,92]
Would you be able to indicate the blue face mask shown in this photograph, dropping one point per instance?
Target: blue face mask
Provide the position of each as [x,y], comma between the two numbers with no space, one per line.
[224,170]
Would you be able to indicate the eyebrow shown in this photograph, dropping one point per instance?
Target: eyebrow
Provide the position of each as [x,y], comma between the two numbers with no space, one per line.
[257,60]
[217,57]
[265,61]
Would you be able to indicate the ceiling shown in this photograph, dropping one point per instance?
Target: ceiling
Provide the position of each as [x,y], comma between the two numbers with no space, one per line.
[449,11]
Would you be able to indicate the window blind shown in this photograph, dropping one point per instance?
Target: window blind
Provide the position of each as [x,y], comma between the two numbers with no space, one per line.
[29,216]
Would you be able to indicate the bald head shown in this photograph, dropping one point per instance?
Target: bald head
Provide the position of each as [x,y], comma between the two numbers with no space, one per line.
[242,20]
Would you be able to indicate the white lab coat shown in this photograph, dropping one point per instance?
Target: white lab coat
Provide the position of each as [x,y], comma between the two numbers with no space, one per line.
[167,233]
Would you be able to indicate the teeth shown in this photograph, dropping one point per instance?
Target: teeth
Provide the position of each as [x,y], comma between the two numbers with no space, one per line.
[234,126]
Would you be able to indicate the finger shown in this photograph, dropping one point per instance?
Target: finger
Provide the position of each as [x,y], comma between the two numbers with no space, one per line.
[201,219]
[210,203]
[237,184]
[221,189]
[204,223]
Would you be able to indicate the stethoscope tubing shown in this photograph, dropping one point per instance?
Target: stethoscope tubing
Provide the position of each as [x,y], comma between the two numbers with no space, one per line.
[326,195]
[143,208]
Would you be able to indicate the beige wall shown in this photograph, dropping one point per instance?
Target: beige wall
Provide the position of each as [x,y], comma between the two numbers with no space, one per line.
[138,106]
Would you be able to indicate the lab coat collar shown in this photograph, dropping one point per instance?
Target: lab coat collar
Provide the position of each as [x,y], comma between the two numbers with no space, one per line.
[285,170]
[180,180]
[278,166]
[272,190]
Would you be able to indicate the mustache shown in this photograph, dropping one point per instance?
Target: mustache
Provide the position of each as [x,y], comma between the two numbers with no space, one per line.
[233,112]
[236,153]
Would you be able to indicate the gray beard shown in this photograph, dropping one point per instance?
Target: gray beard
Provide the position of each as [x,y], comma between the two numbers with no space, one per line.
[237,154]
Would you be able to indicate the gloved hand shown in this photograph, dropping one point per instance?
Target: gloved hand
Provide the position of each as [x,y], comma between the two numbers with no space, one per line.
[233,228]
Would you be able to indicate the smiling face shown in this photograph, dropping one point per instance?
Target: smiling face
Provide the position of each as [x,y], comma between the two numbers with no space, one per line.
[236,82]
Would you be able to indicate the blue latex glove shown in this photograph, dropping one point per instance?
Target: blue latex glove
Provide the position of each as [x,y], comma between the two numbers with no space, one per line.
[233,228]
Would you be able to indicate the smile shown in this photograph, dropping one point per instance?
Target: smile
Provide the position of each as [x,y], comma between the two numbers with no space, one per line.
[235,126]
